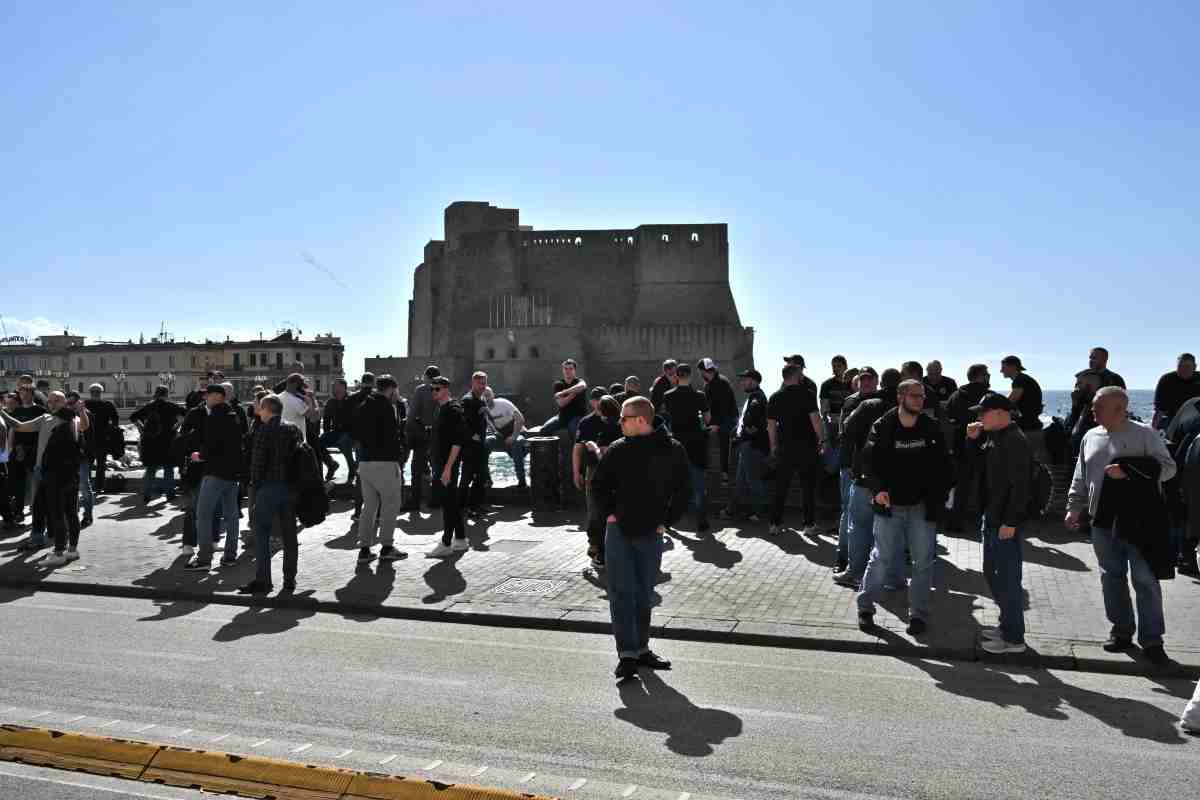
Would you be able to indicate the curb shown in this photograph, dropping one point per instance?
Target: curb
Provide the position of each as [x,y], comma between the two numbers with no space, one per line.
[210,771]
[888,645]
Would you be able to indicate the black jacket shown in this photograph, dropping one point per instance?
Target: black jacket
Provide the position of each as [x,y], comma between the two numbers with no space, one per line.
[644,482]
[1134,509]
[158,420]
[1007,470]
[856,428]
[353,402]
[336,415]
[754,422]
[191,440]
[221,451]
[473,409]
[722,403]
[377,429]
[880,470]
[958,411]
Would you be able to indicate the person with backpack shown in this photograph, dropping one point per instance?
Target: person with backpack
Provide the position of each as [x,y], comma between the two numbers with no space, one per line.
[272,456]
[221,456]
[377,429]
[157,422]
[1007,461]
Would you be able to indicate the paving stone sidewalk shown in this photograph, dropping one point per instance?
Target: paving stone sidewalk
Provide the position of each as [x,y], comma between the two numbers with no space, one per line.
[737,584]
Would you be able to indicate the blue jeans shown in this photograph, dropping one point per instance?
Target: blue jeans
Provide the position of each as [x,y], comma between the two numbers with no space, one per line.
[633,564]
[87,499]
[516,451]
[216,491]
[271,500]
[860,530]
[696,474]
[750,465]
[151,486]
[344,444]
[554,425]
[1002,565]
[1117,559]
[843,547]
[906,524]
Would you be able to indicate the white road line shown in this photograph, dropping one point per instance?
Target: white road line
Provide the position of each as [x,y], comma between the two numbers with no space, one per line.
[432,765]
[10,708]
[76,719]
[145,728]
[344,753]
[479,772]
[220,738]
[184,732]
[684,796]
[260,743]
[577,785]
[390,758]
[39,714]
[81,785]
[110,724]
[302,748]
[629,790]
[528,777]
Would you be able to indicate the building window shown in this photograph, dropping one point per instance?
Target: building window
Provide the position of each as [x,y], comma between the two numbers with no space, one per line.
[318,384]
[124,362]
[666,238]
[81,387]
[262,359]
[299,358]
[149,389]
[533,353]
[316,360]
[102,364]
[696,238]
[490,354]
[337,360]
[193,359]
[147,362]
[80,362]
[171,362]
[512,352]
[279,361]
[237,361]
[254,359]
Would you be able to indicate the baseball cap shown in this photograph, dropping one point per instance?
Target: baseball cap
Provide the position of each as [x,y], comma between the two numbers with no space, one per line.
[993,402]
[1013,361]
[706,364]
[797,359]
[868,371]
[751,373]
[597,392]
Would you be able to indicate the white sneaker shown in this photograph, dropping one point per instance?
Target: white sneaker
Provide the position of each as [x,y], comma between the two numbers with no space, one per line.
[461,545]
[1000,647]
[441,551]
[991,634]
[189,551]
[72,554]
[54,560]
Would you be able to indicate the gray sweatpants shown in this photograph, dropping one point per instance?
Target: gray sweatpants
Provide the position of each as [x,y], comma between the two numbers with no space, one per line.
[382,490]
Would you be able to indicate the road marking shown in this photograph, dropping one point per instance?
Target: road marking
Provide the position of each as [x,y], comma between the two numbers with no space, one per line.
[479,772]
[629,790]
[184,732]
[302,748]
[10,708]
[81,785]
[76,719]
[144,728]
[390,758]
[684,796]
[577,785]
[432,765]
[260,743]
[345,753]
[39,714]
[528,778]
[110,724]
[220,738]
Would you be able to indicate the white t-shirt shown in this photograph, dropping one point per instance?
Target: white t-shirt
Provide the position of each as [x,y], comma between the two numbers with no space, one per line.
[294,410]
[502,413]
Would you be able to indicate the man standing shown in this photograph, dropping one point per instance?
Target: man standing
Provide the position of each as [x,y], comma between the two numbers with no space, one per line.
[908,469]
[22,463]
[1116,436]
[805,381]
[377,431]
[507,424]
[795,432]
[856,511]
[834,391]
[753,446]
[299,405]
[959,413]
[691,423]
[664,383]
[86,445]
[641,486]
[722,405]
[338,425]
[1026,397]
[417,434]
[597,431]
[1098,362]
[450,436]
[273,451]
[221,456]
[1006,465]
[157,421]
[472,491]
[938,387]
[1174,389]
[106,427]
[633,388]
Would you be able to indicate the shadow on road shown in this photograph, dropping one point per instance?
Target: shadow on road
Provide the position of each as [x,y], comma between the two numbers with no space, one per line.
[262,620]
[367,588]
[652,705]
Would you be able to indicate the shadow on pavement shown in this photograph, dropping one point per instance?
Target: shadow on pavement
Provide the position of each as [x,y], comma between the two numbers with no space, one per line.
[708,549]
[1053,557]
[1049,697]
[444,580]
[652,705]
[367,588]
[263,620]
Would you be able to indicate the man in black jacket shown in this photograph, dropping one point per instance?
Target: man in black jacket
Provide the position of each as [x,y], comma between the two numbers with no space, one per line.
[191,440]
[472,491]
[691,423]
[1007,464]
[450,436]
[106,425]
[271,457]
[868,384]
[378,433]
[752,446]
[221,454]
[908,469]
[641,486]
[722,404]
[337,421]
[797,438]
[960,413]
[157,422]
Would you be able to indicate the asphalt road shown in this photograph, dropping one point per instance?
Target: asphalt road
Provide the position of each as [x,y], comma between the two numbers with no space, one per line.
[539,711]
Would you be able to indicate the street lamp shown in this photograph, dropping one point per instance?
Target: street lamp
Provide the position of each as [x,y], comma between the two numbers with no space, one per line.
[119,377]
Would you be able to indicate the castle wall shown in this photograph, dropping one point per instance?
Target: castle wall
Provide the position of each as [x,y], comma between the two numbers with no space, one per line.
[682,275]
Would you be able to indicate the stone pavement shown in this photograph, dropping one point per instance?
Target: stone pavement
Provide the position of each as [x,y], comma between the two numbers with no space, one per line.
[737,585]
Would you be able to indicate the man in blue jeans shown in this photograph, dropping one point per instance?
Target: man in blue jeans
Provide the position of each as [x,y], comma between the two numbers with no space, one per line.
[570,395]
[640,486]
[752,445]
[1007,463]
[274,446]
[221,455]
[1115,436]
[908,468]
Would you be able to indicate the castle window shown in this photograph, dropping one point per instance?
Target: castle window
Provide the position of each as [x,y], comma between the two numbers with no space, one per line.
[696,238]
[533,353]
[578,241]
[512,352]
[629,240]
[490,354]
[666,238]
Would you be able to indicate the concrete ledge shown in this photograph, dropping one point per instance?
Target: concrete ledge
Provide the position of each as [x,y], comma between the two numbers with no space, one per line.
[248,776]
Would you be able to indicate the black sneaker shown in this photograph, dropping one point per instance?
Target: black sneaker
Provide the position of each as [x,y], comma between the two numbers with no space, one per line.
[840,566]
[866,621]
[389,553]
[196,565]
[1156,655]
[1117,644]
[702,526]
[330,471]
[289,587]
[365,556]
[255,587]
[86,522]
[228,562]
[626,669]
[649,659]
[916,626]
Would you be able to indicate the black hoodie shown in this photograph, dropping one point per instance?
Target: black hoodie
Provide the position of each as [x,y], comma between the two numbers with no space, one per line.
[644,482]
[221,451]
[377,429]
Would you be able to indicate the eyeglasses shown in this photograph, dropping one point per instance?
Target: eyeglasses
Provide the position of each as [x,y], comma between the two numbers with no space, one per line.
[628,416]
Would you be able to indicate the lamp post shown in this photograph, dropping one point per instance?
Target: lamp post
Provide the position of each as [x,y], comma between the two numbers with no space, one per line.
[119,377]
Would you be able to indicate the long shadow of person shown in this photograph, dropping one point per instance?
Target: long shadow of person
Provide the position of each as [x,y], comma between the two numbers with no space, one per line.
[1048,697]
[444,580]
[1054,558]
[709,550]
[367,590]
[263,620]
[652,705]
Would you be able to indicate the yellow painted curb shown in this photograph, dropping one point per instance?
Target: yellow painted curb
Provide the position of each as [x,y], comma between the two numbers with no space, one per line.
[95,754]
[248,776]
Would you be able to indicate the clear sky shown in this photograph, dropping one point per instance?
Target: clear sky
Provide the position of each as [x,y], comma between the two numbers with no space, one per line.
[901,180]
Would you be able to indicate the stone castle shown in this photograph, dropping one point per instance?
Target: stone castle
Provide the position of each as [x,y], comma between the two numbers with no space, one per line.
[497,296]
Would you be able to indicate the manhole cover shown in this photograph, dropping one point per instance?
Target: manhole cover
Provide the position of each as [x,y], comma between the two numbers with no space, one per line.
[528,587]
[511,546]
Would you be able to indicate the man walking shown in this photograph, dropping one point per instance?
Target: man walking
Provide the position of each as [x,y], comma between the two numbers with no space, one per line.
[450,435]
[641,486]
[221,457]
[795,432]
[691,423]
[1115,437]
[722,405]
[272,454]
[377,431]
[1007,461]
[418,432]
[908,469]
[753,446]
[106,427]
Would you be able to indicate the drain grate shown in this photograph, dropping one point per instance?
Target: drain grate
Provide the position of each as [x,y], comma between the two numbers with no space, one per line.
[529,587]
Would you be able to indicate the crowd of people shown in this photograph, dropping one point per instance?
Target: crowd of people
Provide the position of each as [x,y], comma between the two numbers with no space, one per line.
[912,450]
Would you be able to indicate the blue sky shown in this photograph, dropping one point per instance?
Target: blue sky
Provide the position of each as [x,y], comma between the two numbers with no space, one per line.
[901,180]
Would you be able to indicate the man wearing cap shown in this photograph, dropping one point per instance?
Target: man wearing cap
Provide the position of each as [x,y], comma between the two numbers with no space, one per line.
[752,444]
[664,383]
[1005,461]
[959,414]
[805,381]
[633,388]
[795,432]
[1026,397]
[691,423]
[417,433]
[722,405]
[106,425]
